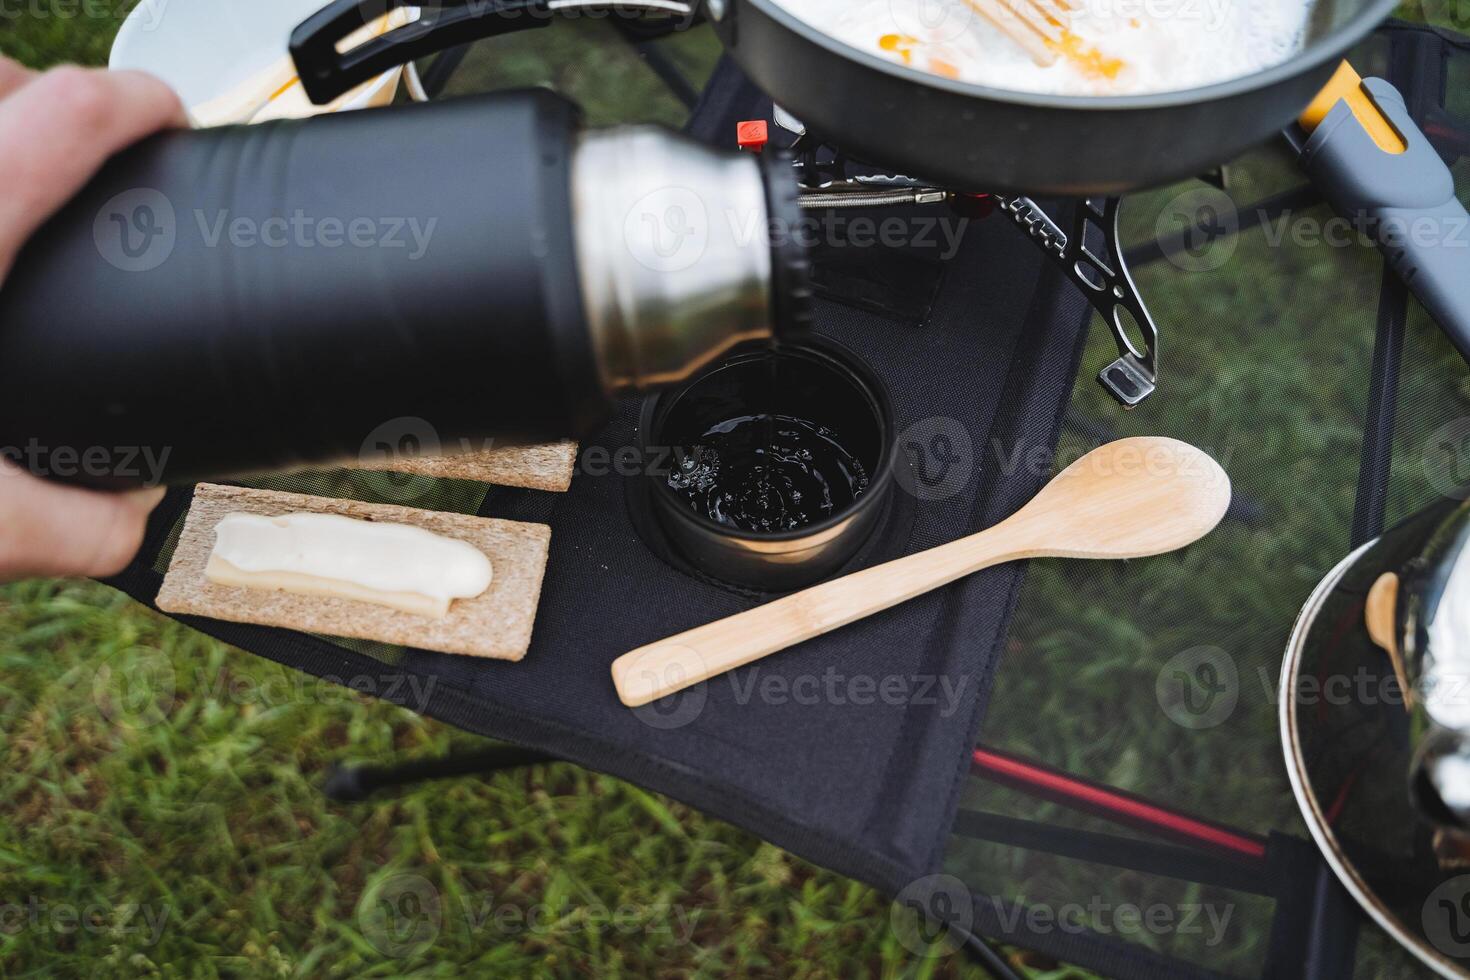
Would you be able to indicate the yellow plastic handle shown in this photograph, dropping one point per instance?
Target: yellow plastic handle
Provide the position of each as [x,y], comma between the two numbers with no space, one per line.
[1346,86]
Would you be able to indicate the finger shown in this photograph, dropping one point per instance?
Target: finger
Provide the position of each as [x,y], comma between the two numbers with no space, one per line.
[12,76]
[47,529]
[57,130]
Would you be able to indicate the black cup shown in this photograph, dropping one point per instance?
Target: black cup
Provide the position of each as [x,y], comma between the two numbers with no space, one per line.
[819,381]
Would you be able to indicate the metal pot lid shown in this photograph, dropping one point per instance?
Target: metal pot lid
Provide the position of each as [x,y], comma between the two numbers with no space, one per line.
[1350,739]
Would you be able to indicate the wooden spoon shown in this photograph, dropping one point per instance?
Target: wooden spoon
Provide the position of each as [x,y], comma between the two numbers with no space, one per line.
[1128,499]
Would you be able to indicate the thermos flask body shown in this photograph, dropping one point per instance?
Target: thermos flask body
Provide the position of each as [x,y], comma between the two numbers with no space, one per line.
[241,299]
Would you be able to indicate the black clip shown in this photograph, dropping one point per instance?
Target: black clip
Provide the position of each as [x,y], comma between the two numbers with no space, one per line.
[327,73]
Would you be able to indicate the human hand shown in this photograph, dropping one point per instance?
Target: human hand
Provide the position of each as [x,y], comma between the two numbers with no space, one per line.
[56,129]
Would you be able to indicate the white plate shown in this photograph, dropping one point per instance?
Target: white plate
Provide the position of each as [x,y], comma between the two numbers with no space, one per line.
[207,49]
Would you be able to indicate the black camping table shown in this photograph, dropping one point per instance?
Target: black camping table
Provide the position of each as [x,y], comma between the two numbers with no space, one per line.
[1082,759]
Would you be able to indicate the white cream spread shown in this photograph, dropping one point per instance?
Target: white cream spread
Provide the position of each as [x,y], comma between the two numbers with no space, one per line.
[396,565]
[1114,47]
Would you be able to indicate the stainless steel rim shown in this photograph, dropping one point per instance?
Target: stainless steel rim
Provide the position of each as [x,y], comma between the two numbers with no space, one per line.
[658,317]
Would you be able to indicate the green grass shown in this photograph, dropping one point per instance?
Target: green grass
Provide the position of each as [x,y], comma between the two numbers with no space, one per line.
[147,767]
[165,785]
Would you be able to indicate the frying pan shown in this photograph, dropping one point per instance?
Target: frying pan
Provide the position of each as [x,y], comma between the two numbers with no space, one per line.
[964,135]
[988,139]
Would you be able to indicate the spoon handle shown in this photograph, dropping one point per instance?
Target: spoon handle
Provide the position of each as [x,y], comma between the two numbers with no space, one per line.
[1130,498]
[663,668]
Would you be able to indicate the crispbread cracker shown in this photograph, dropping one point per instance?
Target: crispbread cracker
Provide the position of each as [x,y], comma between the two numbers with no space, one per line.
[547,466]
[495,624]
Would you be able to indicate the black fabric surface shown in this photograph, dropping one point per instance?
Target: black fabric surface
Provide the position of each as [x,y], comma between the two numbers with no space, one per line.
[865,788]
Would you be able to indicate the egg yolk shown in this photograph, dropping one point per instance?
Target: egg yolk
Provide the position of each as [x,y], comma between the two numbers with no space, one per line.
[1088,59]
[900,44]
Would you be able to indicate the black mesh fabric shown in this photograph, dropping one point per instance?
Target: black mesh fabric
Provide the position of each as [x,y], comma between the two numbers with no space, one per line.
[1323,394]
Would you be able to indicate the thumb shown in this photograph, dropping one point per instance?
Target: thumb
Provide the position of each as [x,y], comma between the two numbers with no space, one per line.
[48,529]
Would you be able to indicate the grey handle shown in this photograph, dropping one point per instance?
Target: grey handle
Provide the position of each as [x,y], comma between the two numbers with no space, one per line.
[1407,200]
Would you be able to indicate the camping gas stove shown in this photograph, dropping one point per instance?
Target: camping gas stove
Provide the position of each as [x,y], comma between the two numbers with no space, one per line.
[1089,254]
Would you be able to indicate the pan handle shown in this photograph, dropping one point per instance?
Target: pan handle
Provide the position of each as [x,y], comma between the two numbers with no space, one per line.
[1379,170]
[326,72]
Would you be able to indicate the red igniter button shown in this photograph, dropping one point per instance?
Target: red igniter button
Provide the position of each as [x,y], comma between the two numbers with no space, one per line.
[753,134]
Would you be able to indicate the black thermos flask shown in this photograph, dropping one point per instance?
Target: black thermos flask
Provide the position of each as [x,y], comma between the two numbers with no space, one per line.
[257,297]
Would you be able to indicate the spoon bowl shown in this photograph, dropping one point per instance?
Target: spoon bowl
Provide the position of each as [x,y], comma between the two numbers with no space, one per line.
[1127,499]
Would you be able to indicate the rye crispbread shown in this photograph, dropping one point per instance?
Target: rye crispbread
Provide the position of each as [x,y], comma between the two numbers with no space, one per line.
[547,466]
[495,624]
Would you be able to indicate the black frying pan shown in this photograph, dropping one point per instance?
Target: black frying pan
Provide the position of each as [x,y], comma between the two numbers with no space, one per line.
[968,136]
[985,139]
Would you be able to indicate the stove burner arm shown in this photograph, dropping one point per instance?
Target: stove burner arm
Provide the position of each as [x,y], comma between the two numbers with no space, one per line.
[1091,256]
[855,195]
[1104,279]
